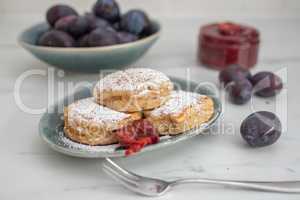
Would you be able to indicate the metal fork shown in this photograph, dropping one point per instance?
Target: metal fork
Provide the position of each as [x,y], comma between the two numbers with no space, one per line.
[156,187]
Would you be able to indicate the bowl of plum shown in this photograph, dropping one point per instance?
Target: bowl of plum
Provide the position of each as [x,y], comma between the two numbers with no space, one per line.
[103,38]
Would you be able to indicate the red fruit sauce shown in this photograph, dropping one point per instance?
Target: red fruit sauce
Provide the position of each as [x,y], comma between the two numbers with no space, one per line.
[136,136]
[224,44]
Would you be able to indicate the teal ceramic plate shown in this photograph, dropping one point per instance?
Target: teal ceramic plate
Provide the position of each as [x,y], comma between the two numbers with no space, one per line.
[51,127]
[86,59]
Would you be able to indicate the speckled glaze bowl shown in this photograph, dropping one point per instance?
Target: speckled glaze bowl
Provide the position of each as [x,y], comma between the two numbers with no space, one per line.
[86,59]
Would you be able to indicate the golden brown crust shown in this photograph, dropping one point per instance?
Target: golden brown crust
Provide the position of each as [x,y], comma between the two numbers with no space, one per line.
[90,128]
[133,90]
[131,102]
[191,116]
[89,138]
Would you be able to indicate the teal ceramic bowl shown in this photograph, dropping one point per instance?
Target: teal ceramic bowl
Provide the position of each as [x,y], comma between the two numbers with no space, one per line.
[87,59]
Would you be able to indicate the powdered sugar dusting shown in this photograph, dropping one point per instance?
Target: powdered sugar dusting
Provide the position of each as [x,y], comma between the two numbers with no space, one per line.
[138,80]
[179,100]
[88,109]
[65,141]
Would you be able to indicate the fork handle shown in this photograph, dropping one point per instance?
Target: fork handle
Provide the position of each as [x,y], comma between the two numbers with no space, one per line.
[278,186]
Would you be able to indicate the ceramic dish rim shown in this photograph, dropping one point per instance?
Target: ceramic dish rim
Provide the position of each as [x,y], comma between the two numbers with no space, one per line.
[95,154]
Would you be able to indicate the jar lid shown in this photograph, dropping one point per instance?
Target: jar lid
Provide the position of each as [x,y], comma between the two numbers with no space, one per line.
[228,33]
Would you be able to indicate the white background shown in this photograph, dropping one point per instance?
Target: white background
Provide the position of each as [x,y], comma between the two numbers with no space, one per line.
[174,8]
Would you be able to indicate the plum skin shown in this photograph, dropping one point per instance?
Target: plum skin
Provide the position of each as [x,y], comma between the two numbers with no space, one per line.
[240,91]
[102,37]
[58,11]
[55,38]
[116,26]
[135,22]
[266,84]
[125,37]
[151,29]
[95,22]
[83,41]
[72,24]
[233,73]
[107,9]
[261,128]
[103,26]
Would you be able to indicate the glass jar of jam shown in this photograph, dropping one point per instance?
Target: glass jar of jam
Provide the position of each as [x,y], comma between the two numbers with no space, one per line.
[224,44]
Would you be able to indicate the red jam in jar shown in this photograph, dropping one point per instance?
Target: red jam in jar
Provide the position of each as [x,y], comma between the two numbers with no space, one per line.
[224,44]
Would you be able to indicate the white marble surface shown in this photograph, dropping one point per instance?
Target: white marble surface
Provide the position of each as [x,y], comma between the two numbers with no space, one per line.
[31,170]
[174,8]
